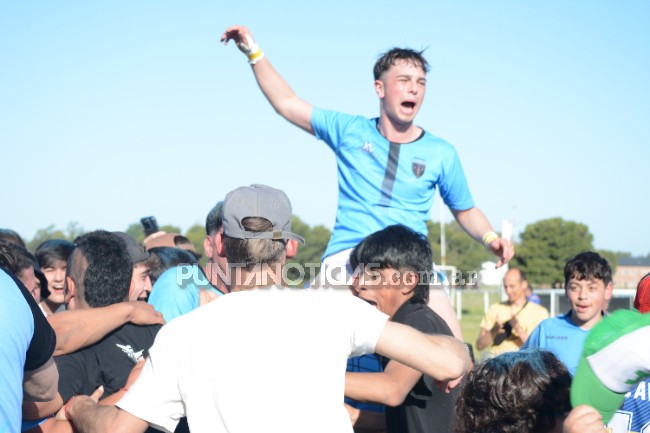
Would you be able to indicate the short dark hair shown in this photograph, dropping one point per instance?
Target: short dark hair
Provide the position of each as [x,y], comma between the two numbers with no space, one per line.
[11,236]
[214,220]
[52,250]
[401,248]
[163,258]
[514,392]
[587,265]
[392,56]
[248,253]
[15,258]
[107,277]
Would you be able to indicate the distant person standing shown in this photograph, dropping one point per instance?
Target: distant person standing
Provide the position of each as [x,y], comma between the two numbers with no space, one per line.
[588,288]
[389,168]
[507,325]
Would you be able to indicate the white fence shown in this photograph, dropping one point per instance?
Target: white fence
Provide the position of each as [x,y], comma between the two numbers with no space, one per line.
[553,299]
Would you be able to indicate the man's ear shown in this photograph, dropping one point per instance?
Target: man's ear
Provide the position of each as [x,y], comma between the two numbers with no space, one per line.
[292,248]
[208,248]
[219,245]
[70,294]
[608,290]
[410,281]
[379,88]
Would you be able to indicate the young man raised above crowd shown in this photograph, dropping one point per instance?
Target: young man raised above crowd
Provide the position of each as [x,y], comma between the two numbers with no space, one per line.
[388,166]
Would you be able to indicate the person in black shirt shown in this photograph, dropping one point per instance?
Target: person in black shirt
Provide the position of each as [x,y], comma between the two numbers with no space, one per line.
[393,270]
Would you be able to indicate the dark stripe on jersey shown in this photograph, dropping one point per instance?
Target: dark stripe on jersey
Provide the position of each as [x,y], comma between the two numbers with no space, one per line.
[389,176]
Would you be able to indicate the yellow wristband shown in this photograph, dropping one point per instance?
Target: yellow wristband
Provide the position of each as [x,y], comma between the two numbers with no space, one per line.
[255,56]
[489,237]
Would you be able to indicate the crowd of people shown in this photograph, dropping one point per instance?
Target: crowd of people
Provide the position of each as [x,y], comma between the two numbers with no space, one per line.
[105,334]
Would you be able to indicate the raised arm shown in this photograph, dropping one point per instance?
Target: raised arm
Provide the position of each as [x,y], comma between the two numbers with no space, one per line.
[474,222]
[77,329]
[439,356]
[278,92]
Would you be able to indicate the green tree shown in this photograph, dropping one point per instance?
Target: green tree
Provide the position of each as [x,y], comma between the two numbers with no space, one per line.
[168,228]
[136,231]
[461,250]
[72,231]
[547,245]
[309,255]
[196,235]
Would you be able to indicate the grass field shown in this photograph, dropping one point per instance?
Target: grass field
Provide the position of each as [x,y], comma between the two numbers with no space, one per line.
[472,311]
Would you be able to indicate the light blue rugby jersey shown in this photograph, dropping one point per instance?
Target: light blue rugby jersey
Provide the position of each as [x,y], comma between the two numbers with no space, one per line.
[383,183]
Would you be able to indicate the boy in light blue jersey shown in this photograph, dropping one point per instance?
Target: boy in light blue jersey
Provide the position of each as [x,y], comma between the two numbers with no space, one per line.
[588,288]
[388,167]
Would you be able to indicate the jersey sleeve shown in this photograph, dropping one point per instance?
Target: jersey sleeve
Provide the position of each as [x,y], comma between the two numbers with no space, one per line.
[453,185]
[329,126]
[366,325]
[43,341]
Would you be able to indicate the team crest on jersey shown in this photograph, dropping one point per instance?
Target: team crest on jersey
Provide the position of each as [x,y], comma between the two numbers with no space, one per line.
[368,147]
[418,167]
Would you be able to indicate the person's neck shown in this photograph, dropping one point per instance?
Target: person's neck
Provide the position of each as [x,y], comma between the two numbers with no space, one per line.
[586,326]
[260,276]
[397,132]
[518,302]
[49,306]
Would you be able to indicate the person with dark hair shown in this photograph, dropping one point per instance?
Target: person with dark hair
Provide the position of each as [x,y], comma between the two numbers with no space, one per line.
[389,168]
[141,260]
[99,275]
[308,334]
[216,266]
[393,272]
[506,326]
[163,258]
[23,265]
[523,391]
[11,236]
[588,288]
[52,256]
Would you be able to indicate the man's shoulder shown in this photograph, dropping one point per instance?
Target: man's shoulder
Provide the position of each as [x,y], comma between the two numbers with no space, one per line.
[538,309]
[421,317]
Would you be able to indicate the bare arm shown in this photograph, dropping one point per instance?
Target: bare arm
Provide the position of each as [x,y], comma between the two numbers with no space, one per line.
[278,92]
[440,303]
[486,337]
[89,417]
[474,222]
[439,356]
[40,390]
[389,387]
[584,419]
[41,384]
[77,329]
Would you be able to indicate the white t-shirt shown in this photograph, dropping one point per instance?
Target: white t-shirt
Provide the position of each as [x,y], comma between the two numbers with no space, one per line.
[279,366]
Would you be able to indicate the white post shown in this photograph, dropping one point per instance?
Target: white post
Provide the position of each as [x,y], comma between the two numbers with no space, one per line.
[553,303]
[459,304]
[486,301]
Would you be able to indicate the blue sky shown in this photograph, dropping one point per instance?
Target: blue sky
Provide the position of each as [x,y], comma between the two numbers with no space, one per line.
[110,111]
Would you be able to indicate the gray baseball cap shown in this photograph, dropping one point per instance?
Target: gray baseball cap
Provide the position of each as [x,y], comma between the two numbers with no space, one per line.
[258,201]
[136,251]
